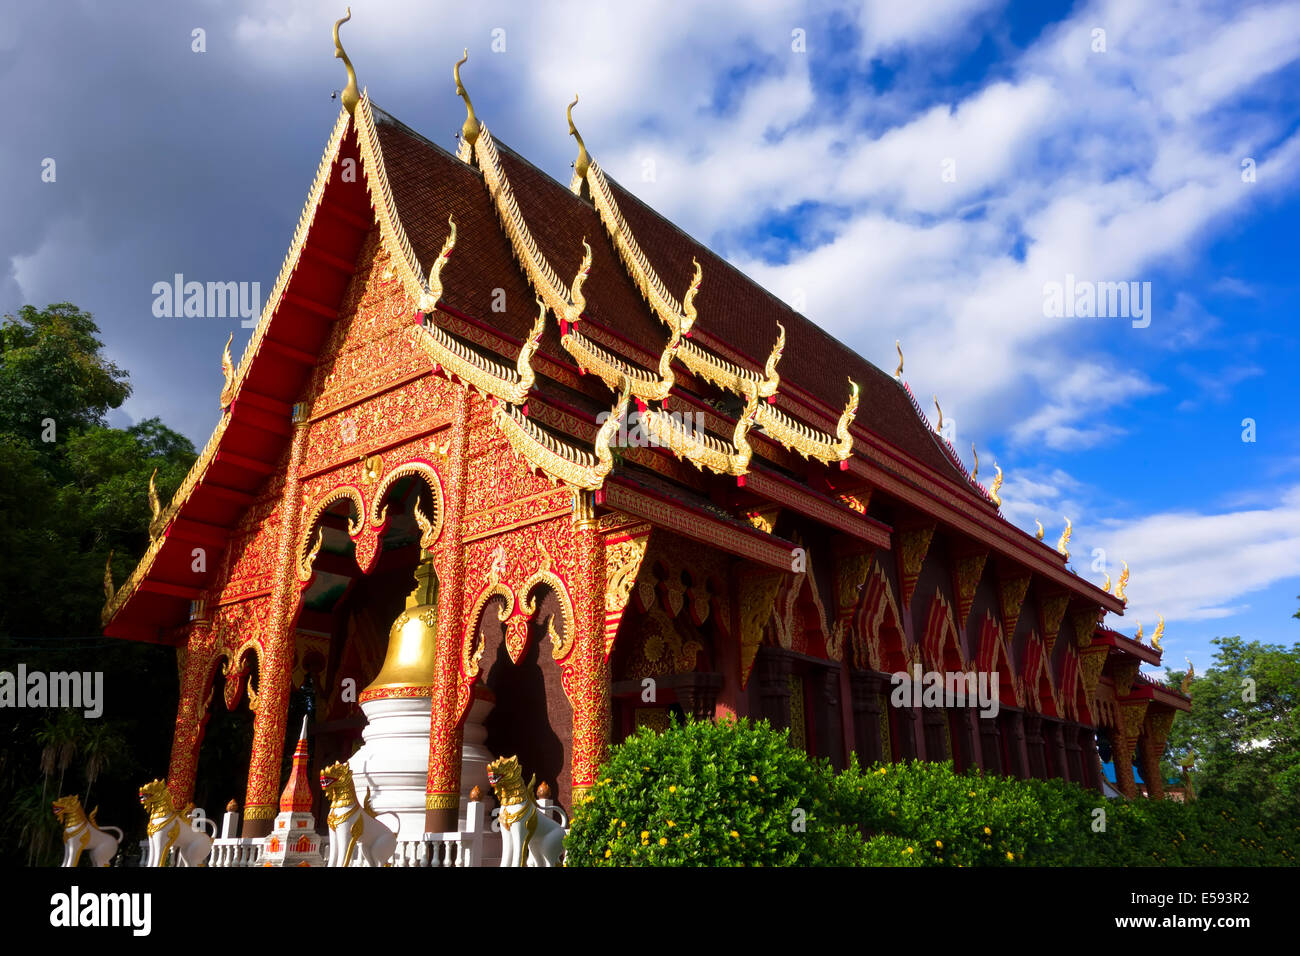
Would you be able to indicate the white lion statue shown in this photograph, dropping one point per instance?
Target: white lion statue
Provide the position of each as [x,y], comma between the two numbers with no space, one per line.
[169,829]
[352,824]
[528,836]
[82,833]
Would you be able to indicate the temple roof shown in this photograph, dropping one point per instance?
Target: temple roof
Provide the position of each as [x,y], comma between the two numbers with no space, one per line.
[520,231]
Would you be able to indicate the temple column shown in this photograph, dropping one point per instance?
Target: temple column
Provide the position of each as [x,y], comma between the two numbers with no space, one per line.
[1060,765]
[1124,743]
[275,671]
[1073,760]
[1155,734]
[697,692]
[442,788]
[990,746]
[828,734]
[191,714]
[865,690]
[774,672]
[1089,759]
[1037,765]
[967,741]
[589,694]
[933,720]
[1016,745]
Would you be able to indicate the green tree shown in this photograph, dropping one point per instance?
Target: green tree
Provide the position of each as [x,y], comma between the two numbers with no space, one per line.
[1244,727]
[52,367]
[64,505]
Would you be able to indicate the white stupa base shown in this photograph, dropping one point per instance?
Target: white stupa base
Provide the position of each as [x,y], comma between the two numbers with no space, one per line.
[393,762]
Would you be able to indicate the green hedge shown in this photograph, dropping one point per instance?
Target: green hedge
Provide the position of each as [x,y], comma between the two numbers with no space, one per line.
[736,793]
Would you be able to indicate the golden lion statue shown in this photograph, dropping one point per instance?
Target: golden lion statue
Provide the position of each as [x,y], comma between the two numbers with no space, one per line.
[353,825]
[168,828]
[82,832]
[528,837]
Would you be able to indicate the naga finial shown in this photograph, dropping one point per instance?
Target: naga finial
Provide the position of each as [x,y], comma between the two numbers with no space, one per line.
[1188,677]
[351,94]
[429,300]
[1040,532]
[109,589]
[996,486]
[976,472]
[469,132]
[1063,545]
[609,428]
[524,365]
[688,300]
[898,372]
[583,162]
[1122,587]
[1137,635]
[1158,634]
[769,370]
[938,427]
[578,300]
[1105,585]
[845,442]
[228,373]
[155,506]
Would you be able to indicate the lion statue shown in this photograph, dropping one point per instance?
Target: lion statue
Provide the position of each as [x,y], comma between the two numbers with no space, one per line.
[352,824]
[82,832]
[169,829]
[528,836]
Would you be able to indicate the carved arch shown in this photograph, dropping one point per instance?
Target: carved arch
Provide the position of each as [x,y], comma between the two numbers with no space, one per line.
[312,537]
[431,525]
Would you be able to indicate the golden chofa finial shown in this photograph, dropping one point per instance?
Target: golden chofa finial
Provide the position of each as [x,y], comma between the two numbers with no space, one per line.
[1040,532]
[1188,677]
[1158,634]
[468,132]
[1105,585]
[1122,587]
[583,162]
[898,372]
[976,472]
[996,486]
[1063,545]
[938,427]
[155,506]
[109,590]
[1137,635]
[227,373]
[351,94]
[429,300]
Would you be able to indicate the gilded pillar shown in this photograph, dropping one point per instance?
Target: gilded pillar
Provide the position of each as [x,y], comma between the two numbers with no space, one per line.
[442,791]
[191,713]
[275,674]
[589,678]
[1124,743]
[1154,736]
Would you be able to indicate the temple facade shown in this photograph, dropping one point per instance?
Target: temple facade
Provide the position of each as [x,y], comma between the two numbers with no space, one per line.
[646,487]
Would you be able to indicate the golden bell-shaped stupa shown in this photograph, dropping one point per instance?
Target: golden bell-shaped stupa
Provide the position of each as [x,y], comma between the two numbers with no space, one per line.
[408,669]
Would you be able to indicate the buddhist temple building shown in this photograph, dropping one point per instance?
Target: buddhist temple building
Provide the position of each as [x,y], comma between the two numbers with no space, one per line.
[646,487]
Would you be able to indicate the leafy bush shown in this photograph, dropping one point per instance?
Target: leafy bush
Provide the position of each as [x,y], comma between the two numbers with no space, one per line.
[705,794]
[736,793]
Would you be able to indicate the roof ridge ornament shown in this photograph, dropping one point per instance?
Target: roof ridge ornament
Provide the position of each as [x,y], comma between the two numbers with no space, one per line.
[974,475]
[472,127]
[688,301]
[1040,532]
[1158,634]
[898,372]
[429,299]
[109,589]
[578,302]
[583,162]
[1122,587]
[1063,545]
[228,373]
[155,506]
[996,486]
[939,427]
[351,94]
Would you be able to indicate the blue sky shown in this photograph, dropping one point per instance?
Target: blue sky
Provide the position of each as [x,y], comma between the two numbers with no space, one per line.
[917,171]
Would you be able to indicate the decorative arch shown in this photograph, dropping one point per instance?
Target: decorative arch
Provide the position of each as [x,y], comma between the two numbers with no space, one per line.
[313,535]
[941,646]
[430,525]
[880,642]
